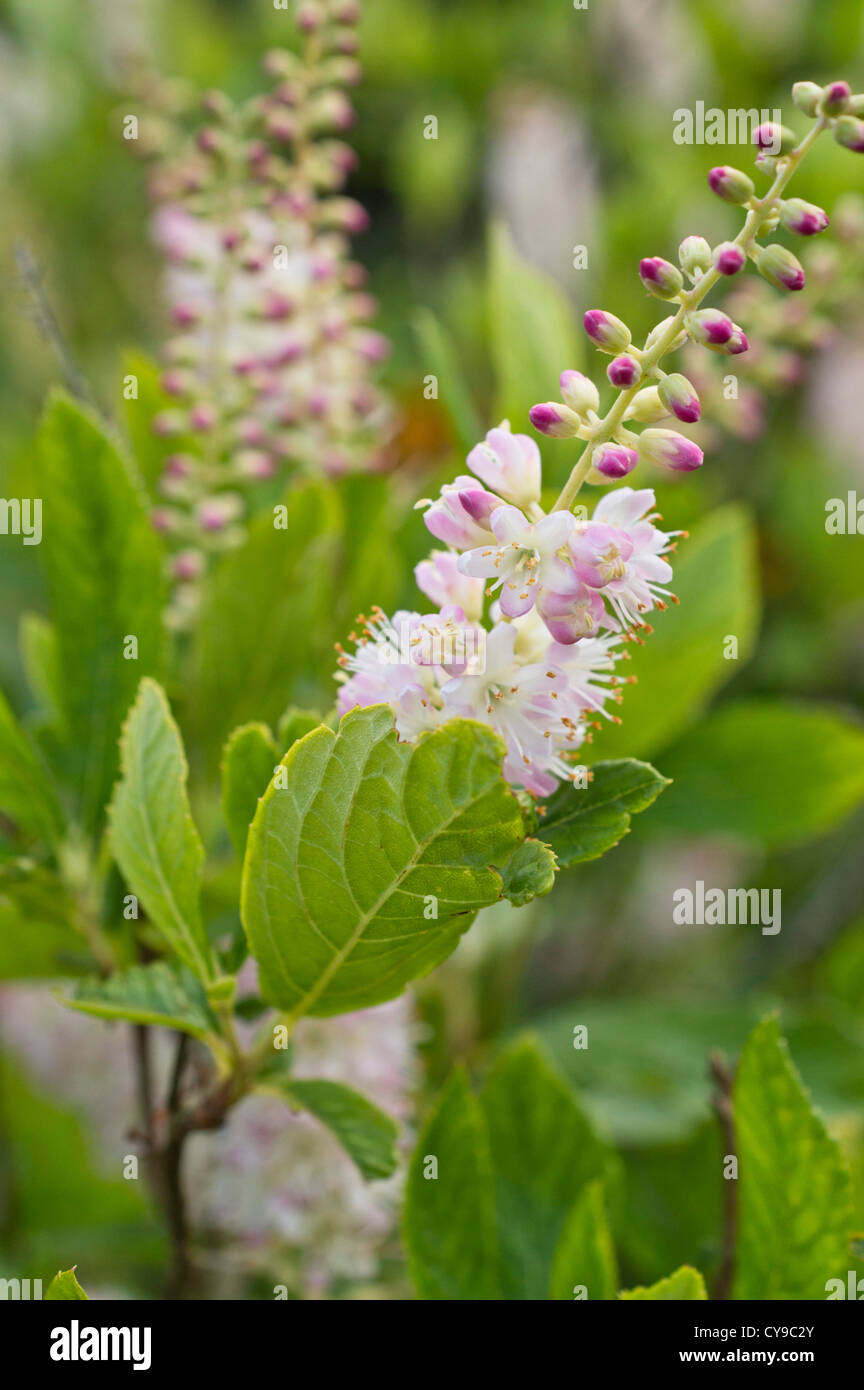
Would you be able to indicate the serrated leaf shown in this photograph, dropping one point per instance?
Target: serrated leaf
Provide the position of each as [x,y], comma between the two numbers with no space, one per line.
[685,1284]
[104,566]
[345,862]
[243,672]
[585,1253]
[530,873]
[157,993]
[153,836]
[543,1153]
[449,1220]
[64,1286]
[296,723]
[26,794]
[794,1192]
[582,823]
[365,1132]
[248,761]
[738,774]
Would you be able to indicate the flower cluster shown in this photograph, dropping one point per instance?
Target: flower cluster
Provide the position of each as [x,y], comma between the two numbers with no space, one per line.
[565,593]
[567,590]
[272,360]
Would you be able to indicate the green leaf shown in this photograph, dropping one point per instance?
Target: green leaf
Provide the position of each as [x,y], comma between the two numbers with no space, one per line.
[532,331]
[248,762]
[64,1285]
[348,860]
[40,657]
[364,1131]
[794,1192]
[104,567]
[157,993]
[738,773]
[439,355]
[26,794]
[296,723]
[683,662]
[543,1153]
[530,873]
[153,836]
[243,671]
[584,822]
[685,1284]
[585,1254]
[449,1221]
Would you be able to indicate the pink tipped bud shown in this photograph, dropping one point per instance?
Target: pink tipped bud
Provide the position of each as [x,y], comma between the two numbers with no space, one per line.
[780,268]
[737,343]
[730,184]
[660,278]
[679,396]
[849,132]
[555,420]
[670,450]
[309,17]
[624,372]
[709,327]
[728,258]
[202,417]
[774,139]
[255,464]
[579,392]
[804,218]
[694,253]
[614,461]
[185,315]
[175,383]
[187,565]
[164,519]
[168,422]
[836,98]
[609,333]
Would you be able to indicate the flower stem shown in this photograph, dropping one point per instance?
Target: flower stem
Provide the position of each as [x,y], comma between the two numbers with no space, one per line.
[690,299]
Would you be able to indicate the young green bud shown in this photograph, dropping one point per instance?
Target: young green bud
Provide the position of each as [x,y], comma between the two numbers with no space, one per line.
[647,407]
[579,392]
[779,267]
[730,184]
[807,96]
[694,255]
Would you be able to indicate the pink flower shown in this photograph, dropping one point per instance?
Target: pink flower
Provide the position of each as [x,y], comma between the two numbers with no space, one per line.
[461,515]
[509,464]
[526,557]
[443,582]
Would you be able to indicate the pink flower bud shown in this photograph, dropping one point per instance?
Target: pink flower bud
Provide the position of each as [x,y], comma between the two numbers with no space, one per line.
[849,132]
[780,268]
[670,450]
[836,96]
[579,392]
[187,565]
[460,516]
[609,333]
[774,139]
[679,396]
[175,383]
[163,519]
[709,327]
[730,184]
[624,372]
[804,218]
[660,278]
[555,420]
[255,464]
[728,258]
[168,422]
[614,460]
[202,417]
[509,464]
[736,343]
[185,314]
